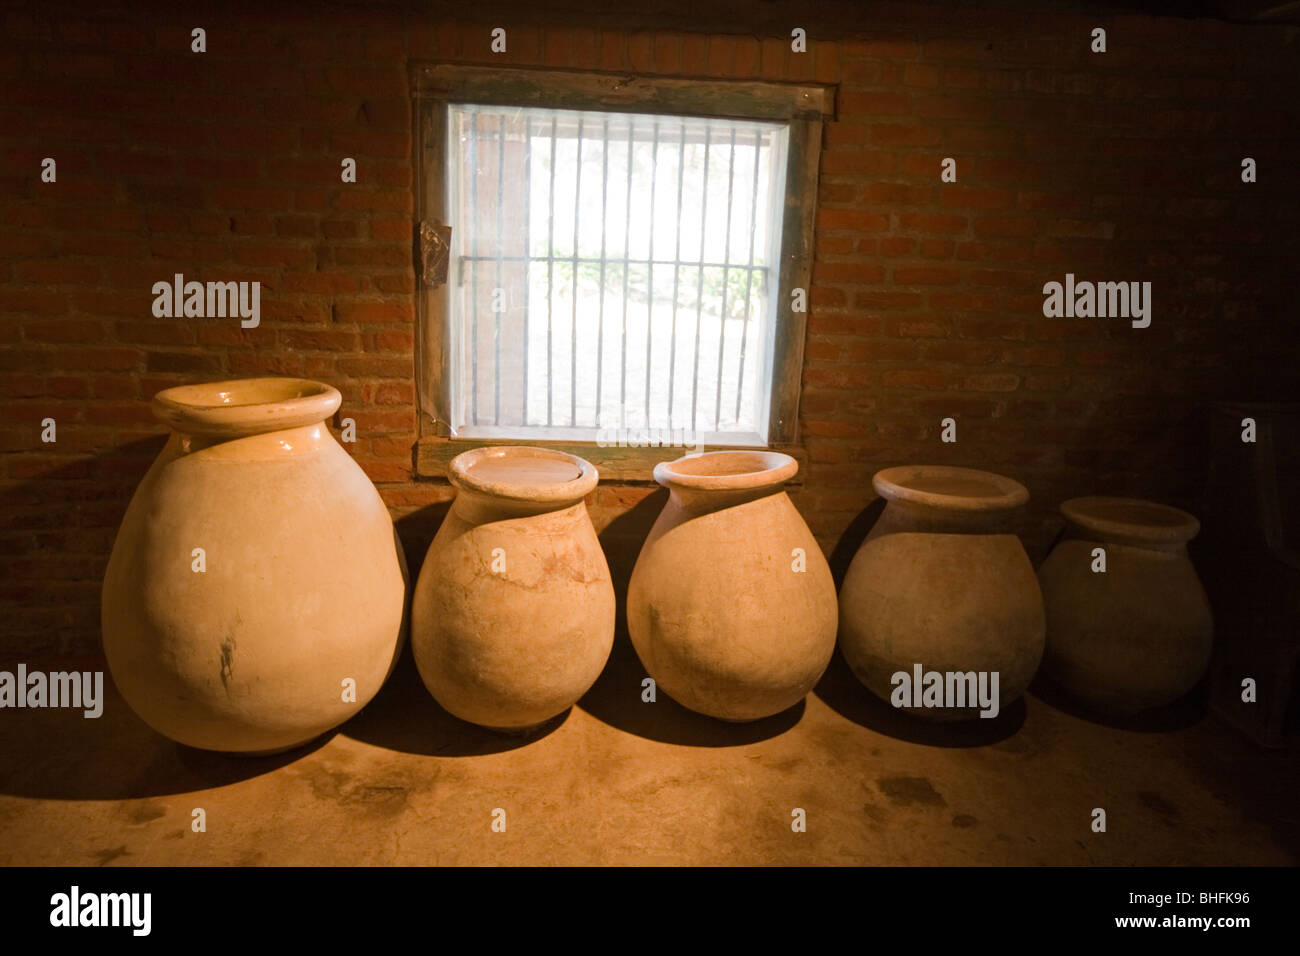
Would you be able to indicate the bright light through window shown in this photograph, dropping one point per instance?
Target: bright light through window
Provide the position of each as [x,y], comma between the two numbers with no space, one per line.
[612,271]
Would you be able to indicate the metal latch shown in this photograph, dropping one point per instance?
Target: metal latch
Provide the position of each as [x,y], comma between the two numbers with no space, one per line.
[435,252]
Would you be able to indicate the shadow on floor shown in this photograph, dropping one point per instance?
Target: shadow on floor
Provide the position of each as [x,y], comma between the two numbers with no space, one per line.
[56,754]
[616,700]
[405,717]
[840,690]
[1186,712]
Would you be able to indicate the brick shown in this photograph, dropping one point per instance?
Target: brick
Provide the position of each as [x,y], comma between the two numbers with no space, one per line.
[401,312]
[64,330]
[887,300]
[320,282]
[899,194]
[1034,355]
[272,254]
[336,341]
[855,219]
[745,61]
[187,362]
[667,52]
[864,105]
[913,378]
[855,272]
[826,61]
[894,134]
[920,74]
[397,229]
[927,275]
[369,200]
[899,48]
[1010,226]
[920,328]
[393,393]
[990,382]
[640,52]
[962,353]
[932,223]
[402,342]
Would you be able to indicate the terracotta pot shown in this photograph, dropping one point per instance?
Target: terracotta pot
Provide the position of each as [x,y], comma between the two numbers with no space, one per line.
[304,581]
[716,609]
[1137,635]
[942,582]
[513,614]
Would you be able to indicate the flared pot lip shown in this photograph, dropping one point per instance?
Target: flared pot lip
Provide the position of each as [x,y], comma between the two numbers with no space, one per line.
[732,470]
[524,473]
[950,488]
[1131,519]
[245,406]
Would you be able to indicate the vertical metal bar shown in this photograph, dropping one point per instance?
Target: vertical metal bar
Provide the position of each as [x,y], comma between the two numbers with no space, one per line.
[500,289]
[528,247]
[573,326]
[627,267]
[677,270]
[699,283]
[726,269]
[650,282]
[749,276]
[473,244]
[550,278]
[600,320]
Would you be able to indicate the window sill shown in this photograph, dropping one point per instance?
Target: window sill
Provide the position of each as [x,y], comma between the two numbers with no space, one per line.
[433,455]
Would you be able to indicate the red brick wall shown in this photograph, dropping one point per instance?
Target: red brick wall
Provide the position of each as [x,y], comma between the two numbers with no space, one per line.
[926,298]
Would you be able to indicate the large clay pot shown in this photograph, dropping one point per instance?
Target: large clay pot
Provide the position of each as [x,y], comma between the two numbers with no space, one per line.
[1137,635]
[731,605]
[513,614]
[290,618]
[942,582]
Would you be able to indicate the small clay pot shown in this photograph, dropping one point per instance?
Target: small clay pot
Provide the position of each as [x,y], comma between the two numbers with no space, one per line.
[512,618]
[731,605]
[942,582]
[289,618]
[1138,634]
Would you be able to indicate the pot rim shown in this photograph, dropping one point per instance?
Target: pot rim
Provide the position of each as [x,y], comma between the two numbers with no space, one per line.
[1131,519]
[894,484]
[732,470]
[461,474]
[245,406]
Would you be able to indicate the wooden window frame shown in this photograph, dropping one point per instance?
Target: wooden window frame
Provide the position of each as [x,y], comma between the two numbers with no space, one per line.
[436,85]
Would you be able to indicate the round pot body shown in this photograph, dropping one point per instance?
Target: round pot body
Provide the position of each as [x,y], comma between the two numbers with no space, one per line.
[731,605]
[254,598]
[1138,634]
[512,618]
[942,586]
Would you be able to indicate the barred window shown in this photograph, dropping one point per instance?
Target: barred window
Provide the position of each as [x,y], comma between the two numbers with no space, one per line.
[620,268]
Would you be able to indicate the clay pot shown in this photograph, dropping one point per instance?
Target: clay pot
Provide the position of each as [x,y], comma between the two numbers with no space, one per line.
[942,582]
[303,582]
[1138,635]
[513,614]
[726,615]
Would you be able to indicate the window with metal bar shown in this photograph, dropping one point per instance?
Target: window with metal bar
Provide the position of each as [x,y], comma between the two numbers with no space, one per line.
[610,263]
[612,272]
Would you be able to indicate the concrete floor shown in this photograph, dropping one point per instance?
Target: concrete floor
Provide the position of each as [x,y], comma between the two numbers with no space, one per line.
[618,781]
